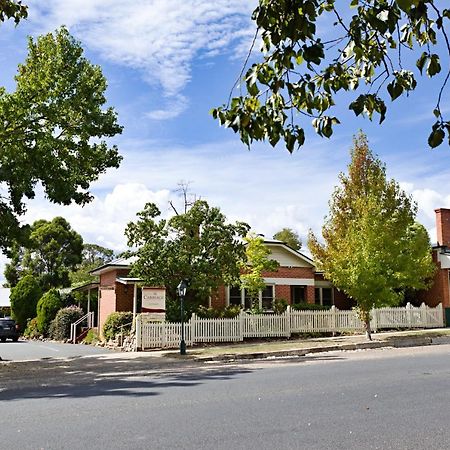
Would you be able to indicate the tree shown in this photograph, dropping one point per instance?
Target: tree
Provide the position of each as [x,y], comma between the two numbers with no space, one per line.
[289,237]
[52,130]
[53,249]
[255,263]
[198,246]
[47,307]
[10,9]
[93,256]
[24,298]
[374,250]
[303,68]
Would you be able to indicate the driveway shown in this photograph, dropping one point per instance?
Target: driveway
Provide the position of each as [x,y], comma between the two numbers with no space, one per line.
[31,350]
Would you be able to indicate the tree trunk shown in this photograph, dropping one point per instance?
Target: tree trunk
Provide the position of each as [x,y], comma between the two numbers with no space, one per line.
[368,330]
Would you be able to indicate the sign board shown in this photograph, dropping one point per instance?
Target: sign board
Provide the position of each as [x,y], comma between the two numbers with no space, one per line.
[153,317]
[153,300]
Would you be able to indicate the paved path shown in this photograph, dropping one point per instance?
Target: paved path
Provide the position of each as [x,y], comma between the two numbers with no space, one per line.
[32,350]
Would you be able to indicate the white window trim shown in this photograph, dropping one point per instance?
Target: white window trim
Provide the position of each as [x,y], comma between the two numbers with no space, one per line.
[227,301]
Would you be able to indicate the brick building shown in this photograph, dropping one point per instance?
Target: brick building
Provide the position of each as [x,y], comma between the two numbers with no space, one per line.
[296,280]
[440,288]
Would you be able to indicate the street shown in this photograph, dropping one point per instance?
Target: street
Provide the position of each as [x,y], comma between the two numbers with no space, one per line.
[375,399]
[31,350]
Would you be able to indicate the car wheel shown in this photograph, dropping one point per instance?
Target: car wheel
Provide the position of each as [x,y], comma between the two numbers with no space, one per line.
[15,339]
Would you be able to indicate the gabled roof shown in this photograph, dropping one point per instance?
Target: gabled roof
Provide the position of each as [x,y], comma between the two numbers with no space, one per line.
[291,251]
[119,263]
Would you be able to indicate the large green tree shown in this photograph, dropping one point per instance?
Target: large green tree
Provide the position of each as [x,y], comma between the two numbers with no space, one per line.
[289,237]
[198,245]
[53,250]
[93,256]
[375,48]
[373,248]
[24,298]
[52,130]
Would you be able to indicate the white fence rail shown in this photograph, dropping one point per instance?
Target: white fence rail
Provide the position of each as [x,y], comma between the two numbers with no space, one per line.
[168,335]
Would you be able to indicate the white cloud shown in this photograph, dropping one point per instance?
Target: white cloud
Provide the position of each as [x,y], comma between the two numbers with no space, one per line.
[160,38]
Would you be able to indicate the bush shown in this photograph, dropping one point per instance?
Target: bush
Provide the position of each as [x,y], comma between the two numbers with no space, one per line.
[91,337]
[31,331]
[117,322]
[308,306]
[59,328]
[47,307]
[24,298]
[229,312]
[280,305]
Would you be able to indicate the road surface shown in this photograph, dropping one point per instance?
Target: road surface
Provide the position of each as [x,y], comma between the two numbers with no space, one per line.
[373,399]
[30,350]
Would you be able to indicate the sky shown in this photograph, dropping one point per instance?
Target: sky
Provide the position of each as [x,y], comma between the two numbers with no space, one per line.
[168,62]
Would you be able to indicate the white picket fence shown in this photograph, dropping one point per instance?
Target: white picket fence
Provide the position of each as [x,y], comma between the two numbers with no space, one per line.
[168,335]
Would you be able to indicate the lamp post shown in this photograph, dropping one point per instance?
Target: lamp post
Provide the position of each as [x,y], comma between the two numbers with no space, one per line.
[181,289]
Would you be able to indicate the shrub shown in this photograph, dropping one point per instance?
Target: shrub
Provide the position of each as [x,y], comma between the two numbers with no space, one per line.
[308,306]
[117,322]
[31,331]
[47,307]
[232,311]
[59,328]
[280,305]
[24,298]
[91,337]
[229,312]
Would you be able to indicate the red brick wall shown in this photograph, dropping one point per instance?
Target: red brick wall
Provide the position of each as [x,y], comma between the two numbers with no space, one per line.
[283,291]
[341,301]
[439,290]
[218,298]
[291,272]
[443,226]
[124,297]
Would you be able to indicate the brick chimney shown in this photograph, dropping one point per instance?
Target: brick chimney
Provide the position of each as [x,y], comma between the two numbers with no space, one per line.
[443,226]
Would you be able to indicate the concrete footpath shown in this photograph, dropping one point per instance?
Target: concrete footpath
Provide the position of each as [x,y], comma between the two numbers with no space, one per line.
[300,347]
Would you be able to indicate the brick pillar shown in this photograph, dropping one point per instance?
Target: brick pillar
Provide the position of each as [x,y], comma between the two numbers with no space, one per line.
[310,294]
[443,226]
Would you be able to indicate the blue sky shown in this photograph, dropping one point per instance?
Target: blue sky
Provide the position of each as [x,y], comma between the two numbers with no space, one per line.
[168,62]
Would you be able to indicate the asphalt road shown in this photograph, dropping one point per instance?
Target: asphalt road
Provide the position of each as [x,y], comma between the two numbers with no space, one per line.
[30,350]
[373,399]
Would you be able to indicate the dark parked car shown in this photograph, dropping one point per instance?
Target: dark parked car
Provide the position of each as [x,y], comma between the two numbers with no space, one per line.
[8,329]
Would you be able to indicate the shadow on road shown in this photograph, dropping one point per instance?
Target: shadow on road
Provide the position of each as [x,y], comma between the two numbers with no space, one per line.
[100,376]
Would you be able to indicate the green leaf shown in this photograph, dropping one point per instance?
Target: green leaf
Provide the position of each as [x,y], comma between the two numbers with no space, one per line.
[434,66]
[422,60]
[436,137]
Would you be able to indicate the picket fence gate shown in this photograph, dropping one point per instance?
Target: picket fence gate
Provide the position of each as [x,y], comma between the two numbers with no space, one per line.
[198,330]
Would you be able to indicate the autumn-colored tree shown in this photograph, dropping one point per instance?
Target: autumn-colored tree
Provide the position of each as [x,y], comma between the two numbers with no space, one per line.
[373,250]
[255,263]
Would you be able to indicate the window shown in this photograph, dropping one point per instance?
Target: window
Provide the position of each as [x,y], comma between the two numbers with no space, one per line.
[317,296]
[235,297]
[247,300]
[327,296]
[241,297]
[323,296]
[298,294]
[267,298]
